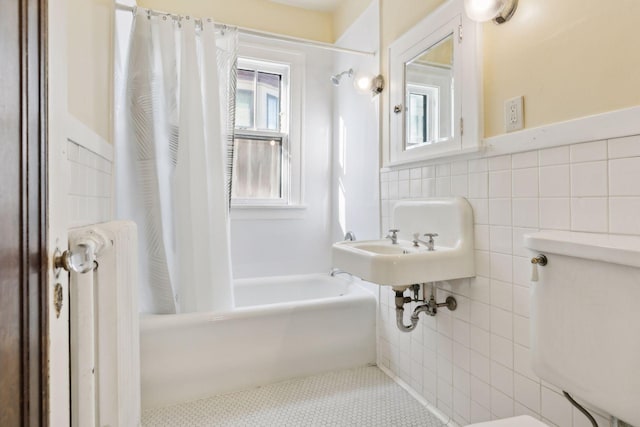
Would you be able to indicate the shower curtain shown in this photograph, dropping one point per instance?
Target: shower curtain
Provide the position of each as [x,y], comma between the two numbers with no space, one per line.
[174,139]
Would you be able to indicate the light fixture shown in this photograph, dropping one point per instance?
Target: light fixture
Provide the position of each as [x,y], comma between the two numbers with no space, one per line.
[365,83]
[500,11]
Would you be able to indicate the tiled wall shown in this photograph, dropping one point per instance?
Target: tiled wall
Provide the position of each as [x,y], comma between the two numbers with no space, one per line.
[473,364]
[89,179]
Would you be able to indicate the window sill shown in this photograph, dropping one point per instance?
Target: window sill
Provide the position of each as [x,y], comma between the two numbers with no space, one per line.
[253,212]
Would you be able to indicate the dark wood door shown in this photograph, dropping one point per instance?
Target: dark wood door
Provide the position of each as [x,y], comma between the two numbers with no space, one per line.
[23,314]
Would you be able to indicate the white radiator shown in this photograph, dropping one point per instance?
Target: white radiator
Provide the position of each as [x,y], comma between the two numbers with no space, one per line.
[104,322]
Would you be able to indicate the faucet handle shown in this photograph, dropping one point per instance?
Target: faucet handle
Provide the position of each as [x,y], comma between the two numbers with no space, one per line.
[393,232]
[393,235]
[431,243]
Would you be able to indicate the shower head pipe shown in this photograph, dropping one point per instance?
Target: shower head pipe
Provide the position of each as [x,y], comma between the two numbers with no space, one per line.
[335,79]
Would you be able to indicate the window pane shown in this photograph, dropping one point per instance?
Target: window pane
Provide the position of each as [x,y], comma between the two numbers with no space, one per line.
[273,112]
[257,168]
[245,99]
[268,101]
[417,119]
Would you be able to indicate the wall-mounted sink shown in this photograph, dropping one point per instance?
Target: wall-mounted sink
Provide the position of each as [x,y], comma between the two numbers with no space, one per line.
[403,264]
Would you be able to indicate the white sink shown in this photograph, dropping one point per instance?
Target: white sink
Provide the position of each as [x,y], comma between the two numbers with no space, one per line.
[401,265]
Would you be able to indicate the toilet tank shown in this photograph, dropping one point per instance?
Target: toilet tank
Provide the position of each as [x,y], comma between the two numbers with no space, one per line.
[585,318]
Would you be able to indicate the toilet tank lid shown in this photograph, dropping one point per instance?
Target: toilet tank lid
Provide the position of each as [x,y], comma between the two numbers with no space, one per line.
[623,250]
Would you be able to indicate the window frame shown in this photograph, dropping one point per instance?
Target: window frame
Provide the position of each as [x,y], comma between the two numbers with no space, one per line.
[273,60]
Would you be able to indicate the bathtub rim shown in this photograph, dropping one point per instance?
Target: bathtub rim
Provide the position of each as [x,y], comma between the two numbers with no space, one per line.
[342,278]
[354,292]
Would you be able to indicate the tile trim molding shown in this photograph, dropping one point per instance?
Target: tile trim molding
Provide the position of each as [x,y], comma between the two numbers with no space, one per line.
[609,125]
[612,124]
[80,134]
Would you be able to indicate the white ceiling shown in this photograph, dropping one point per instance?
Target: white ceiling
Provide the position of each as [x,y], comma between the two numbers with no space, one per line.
[322,5]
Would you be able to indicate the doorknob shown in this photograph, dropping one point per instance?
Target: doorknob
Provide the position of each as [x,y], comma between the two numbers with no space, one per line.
[81,258]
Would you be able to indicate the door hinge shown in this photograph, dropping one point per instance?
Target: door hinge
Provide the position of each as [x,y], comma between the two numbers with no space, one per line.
[460,33]
[461,126]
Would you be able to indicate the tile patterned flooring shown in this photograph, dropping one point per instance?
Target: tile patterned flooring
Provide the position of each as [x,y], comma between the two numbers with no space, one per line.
[355,397]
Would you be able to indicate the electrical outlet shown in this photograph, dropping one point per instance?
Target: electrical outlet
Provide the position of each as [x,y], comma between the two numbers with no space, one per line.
[514,114]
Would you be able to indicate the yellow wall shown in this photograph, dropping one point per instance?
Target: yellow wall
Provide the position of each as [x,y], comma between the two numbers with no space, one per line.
[257,14]
[89,63]
[399,16]
[569,58]
[346,13]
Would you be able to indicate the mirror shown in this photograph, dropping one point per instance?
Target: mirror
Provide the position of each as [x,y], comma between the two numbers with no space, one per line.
[434,82]
[429,95]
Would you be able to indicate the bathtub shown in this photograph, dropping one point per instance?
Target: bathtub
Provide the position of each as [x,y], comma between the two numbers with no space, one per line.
[283,327]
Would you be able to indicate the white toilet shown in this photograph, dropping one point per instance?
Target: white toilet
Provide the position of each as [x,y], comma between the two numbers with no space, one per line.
[585,321]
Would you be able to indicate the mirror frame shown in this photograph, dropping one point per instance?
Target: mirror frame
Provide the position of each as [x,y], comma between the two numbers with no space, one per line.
[449,18]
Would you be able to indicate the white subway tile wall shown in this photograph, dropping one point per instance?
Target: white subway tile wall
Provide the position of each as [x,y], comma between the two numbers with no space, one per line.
[89,193]
[473,364]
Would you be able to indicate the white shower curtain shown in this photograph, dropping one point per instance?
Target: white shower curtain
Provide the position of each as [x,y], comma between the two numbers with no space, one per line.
[173,129]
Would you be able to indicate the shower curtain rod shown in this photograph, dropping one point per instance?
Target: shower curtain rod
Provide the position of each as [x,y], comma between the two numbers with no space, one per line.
[265,34]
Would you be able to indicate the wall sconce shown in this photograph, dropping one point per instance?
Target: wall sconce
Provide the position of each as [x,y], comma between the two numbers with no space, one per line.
[500,11]
[365,83]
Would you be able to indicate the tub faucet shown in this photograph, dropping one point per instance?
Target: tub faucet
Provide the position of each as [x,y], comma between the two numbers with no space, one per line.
[393,235]
[335,271]
[350,235]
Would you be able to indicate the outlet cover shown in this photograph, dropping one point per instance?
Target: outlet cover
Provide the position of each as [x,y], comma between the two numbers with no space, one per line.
[514,114]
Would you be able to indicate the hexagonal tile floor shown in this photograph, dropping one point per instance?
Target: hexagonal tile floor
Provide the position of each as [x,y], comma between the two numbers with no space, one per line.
[356,397]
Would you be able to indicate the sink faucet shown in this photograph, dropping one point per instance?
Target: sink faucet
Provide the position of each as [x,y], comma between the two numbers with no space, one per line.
[430,243]
[393,235]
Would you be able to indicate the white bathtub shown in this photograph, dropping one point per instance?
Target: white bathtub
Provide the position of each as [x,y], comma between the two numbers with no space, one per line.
[284,327]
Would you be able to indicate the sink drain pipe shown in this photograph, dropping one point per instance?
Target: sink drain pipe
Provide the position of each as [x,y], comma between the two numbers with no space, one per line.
[430,308]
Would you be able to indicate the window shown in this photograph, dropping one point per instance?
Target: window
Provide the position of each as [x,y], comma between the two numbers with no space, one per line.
[262,155]
[423,121]
[417,115]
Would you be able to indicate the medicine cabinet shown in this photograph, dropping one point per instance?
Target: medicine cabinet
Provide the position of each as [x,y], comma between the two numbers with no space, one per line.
[435,78]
